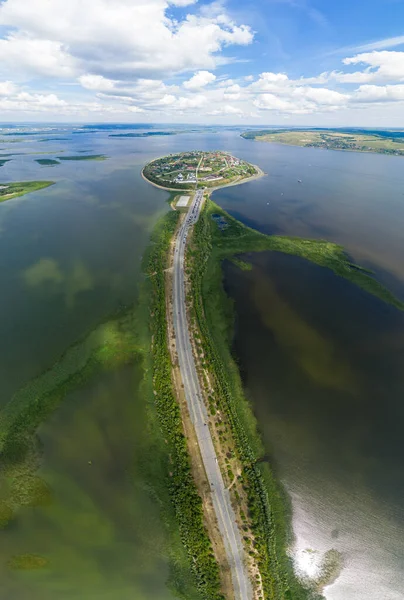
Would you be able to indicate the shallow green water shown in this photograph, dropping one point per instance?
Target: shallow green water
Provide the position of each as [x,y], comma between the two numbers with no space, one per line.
[69,257]
[100,533]
[322,363]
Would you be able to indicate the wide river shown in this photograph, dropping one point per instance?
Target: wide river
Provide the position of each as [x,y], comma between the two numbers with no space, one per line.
[321,360]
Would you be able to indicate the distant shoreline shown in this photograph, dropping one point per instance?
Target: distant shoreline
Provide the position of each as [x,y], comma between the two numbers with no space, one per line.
[384,142]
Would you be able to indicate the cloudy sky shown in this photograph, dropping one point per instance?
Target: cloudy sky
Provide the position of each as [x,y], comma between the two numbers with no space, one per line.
[325,62]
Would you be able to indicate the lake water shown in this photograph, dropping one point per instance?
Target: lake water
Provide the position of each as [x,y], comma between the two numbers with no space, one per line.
[101,533]
[321,360]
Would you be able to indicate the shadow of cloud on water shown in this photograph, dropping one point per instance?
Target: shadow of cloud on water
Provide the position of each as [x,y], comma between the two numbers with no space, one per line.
[47,275]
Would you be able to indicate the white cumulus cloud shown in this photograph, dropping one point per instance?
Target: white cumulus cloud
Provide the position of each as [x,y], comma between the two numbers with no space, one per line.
[22,55]
[382,66]
[184,103]
[96,82]
[182,2]
[7,88]
[167,100]
[118,39]
[227,109]
[379,93]
[199,80]
[232,92]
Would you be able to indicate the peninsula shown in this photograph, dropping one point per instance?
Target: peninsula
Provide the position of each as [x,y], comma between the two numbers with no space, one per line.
[355,140]
[237,532]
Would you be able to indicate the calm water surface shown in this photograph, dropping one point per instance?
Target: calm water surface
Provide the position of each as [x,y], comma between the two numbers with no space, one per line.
[101,534]
[321,360]
[354,199]
[70,256]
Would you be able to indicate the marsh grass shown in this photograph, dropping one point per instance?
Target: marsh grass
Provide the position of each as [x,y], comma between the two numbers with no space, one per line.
[125,338]
[27,562]
[237,239]
[47,162]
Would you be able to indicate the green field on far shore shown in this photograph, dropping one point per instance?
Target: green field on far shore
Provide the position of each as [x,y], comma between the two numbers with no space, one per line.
[383,142]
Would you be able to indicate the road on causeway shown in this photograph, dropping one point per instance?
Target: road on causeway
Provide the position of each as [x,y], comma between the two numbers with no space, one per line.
[220,495]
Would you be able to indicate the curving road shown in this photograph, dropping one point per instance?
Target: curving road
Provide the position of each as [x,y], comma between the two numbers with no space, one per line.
[220,495]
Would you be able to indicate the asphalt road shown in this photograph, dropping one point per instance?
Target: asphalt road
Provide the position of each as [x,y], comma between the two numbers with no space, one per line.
[220,495]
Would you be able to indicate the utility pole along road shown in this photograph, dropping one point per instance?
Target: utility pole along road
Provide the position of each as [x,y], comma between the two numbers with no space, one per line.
[220,495]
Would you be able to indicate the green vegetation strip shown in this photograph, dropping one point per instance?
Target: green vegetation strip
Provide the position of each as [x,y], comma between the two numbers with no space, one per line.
[268,504]
[47,162]
[108,346]
[84,157]
[8,191]
[236,238]
[185,498]
[382,142]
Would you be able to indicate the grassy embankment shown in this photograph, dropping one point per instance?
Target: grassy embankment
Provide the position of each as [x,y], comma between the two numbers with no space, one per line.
[268,505]
[124,339]
[8,191]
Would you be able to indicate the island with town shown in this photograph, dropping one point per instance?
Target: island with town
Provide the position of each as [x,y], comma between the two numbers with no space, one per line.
[197,169]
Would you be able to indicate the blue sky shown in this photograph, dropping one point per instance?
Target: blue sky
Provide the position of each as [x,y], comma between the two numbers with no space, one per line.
[287,62]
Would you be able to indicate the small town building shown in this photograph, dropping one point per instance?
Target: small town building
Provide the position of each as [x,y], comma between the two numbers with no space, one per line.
[183,202]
